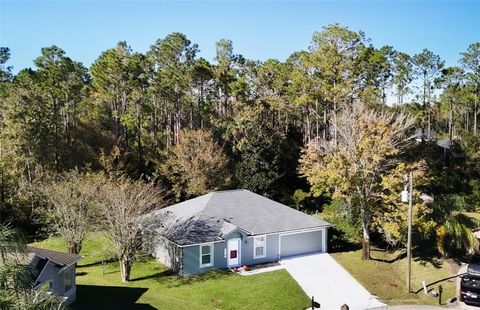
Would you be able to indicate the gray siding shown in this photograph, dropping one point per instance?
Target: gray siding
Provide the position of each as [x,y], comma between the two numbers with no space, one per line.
[271,251]
[291,244]
[168,253]
[50,273]
[301,243]
[191,259]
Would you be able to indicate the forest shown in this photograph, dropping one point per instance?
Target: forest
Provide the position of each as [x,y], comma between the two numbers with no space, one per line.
[331,130]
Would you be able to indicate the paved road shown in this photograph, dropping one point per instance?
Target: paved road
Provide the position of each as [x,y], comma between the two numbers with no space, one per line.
[414,307]
[321,276]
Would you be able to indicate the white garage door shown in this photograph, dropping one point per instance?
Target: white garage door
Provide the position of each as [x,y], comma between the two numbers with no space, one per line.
[301,243]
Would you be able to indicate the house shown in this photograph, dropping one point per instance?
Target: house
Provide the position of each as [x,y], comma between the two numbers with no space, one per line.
[54,271]
[227,229]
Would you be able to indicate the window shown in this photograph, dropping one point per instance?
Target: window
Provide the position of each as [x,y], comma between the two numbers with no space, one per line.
[259,247]
[206,255]
[68,279]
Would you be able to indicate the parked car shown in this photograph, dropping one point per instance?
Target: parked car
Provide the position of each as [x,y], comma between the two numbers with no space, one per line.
[470,285]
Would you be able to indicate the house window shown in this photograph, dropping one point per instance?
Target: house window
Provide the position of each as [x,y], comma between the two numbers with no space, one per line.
[259,247]
[206,255]
[68,279]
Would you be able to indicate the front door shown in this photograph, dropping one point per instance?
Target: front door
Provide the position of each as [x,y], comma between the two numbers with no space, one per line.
[233,252]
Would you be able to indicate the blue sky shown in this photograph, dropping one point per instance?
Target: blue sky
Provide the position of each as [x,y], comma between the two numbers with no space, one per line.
[259,30]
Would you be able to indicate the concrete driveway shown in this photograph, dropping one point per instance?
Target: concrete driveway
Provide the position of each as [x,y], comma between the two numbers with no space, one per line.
[321,276]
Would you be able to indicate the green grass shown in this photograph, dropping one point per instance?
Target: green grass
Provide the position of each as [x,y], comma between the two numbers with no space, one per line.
[385,277]
[154,287]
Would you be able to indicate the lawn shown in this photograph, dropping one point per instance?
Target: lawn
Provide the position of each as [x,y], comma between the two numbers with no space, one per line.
[385,275]
[154,287]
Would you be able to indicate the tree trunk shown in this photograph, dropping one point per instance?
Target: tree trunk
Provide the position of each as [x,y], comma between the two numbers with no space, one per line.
[308,125]
[74,247]
[475,112]
[365,234]
[366,244]
[450,123]
[139,138]
[125,267]
[325,123]
[335,129]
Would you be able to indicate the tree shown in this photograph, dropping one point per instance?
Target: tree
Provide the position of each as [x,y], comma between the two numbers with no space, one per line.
[471,63]
[16,292]
[25,145]
[334,53]
[402,75]
[5,71]
[352,168]
[119,80]
[224,74]
[72,199]
[452,79]
[62,82]
[196,165]
[455,236]
[393,218]
[172,59]
[122,203]
[427,66]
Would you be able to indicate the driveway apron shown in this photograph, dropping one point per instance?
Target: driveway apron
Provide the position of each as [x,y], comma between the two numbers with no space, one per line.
[322,277]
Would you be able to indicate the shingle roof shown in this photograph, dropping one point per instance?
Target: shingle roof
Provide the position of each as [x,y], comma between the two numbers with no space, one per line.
[214,215]
[59,258]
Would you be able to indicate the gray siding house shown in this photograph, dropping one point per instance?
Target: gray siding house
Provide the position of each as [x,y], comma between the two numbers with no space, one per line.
[55,271]
[228,229]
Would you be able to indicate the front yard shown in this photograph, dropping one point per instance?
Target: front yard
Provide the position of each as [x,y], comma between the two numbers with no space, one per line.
[154,287]
[385,275]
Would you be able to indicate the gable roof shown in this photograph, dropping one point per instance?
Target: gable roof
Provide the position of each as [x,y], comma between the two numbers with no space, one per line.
[210,217]
[60,258]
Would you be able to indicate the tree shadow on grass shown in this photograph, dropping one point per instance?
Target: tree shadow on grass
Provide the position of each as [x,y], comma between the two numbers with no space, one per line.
[100,262]
[157,275]
[172,279]
[426,255]
[388,261]
[109,297]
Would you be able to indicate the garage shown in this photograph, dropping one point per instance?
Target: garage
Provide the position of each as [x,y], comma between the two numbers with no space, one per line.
[300,243]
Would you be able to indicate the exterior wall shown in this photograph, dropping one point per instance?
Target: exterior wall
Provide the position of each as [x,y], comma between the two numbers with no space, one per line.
[70,294]
[271,251]
[191,259]
[301,243]
[50,274]
[168,253]
[54,274]
[277,246]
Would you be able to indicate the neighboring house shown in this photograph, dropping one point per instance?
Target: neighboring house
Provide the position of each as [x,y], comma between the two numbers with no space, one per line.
[55,269]
[227,229]
[428,135]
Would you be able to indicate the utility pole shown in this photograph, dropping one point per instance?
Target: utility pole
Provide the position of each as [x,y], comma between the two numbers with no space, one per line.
[409,236]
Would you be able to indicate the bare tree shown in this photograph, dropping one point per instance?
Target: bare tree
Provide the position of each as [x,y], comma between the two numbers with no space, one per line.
[71,203]
[123,202]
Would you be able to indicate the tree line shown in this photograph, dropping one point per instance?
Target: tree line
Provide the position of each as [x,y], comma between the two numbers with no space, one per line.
[278,128]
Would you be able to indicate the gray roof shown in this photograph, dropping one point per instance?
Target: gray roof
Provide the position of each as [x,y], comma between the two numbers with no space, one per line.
[60,258]
[212,216]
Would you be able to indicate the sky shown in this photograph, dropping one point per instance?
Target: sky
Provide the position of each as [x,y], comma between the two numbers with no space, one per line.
[259,30]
